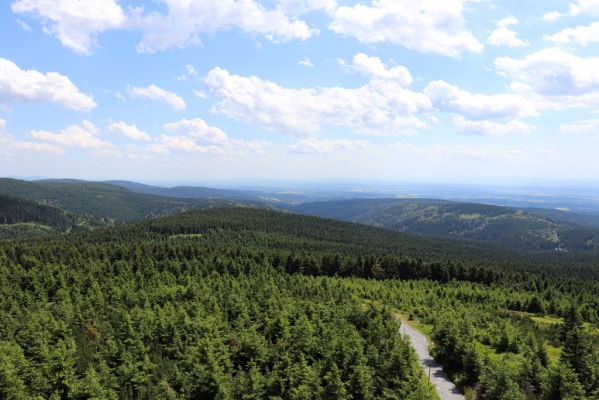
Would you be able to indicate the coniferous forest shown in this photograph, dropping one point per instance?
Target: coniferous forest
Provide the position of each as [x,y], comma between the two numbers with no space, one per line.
[245,303]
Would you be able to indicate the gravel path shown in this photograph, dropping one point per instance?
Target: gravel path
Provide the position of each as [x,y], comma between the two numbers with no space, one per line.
[444,386]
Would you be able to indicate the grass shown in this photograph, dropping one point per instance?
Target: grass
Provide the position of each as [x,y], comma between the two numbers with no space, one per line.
[553,353]
[186,236]
[546,320]
[426,329]
[510,360]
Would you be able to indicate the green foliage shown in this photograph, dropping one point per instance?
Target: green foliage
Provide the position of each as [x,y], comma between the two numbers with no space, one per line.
[248,303]
[504,226]
[103,200]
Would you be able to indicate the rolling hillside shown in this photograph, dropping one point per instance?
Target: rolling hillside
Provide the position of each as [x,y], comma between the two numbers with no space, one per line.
[185,192]
[22,218]
[503,226]
[255,303]
[102,199]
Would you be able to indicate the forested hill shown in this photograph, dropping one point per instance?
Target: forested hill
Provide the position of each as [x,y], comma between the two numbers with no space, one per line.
[22,218]
[268,229]
[14,210]
[102,199]
[185,192]
[503,226]
[241,303]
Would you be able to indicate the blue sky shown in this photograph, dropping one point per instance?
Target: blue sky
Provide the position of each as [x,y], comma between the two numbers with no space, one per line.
[459,91]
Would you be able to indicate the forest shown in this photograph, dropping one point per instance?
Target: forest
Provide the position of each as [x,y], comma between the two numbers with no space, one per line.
[247,303]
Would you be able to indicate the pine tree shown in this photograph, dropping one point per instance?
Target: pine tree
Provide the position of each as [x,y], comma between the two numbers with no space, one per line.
[563,384]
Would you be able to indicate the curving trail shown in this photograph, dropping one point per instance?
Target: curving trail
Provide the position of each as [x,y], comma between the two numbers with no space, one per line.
[444,386]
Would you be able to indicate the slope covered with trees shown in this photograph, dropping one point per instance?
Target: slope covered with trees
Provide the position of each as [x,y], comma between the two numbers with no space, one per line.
[504,226]
[21,218]
[103,200]
[250,303]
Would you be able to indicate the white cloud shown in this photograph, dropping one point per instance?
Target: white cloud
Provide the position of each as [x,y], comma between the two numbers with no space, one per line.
[190,73]
[299,7]
[590,7]
[504,36]
[195,136]
[2,123]
[199,94]
[581,127]
[491,128]
[154,92]
[381,107]
[168,143]
[83,136]
[329,146]
[552,16]
[17,84]
[11,146]
[186,20]
[306,63]
[554,73]
[450,98]
[75,23]
[582,35]
[198,129]
[128,130]
[428,26]
[374,67]
[24,25]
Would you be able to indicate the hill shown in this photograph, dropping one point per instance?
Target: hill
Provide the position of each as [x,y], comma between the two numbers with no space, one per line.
[503,226]
[250,303]
[102,199]
[185,192]
[22,218]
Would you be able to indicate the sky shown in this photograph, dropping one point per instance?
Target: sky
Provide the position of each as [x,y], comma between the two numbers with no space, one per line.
[451,91]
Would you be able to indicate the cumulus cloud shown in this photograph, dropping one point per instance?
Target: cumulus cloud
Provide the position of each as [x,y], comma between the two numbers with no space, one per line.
[128,130]
[427,26]
[17,84]
[190,73]
[198,129]
[552,16]
[306,63]
[373,67]
[581,127]
[491,128]
[195,136]
[154,92]
[84,136]
[186,20]
[556,75]
[450,98]
[75,23]
[504,36]
[582,35]
[381,107]
[11,146]
[2,123]
[299,7]
[588,7]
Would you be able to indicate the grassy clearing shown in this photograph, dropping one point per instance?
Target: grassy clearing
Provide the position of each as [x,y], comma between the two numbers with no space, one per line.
[187,236]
